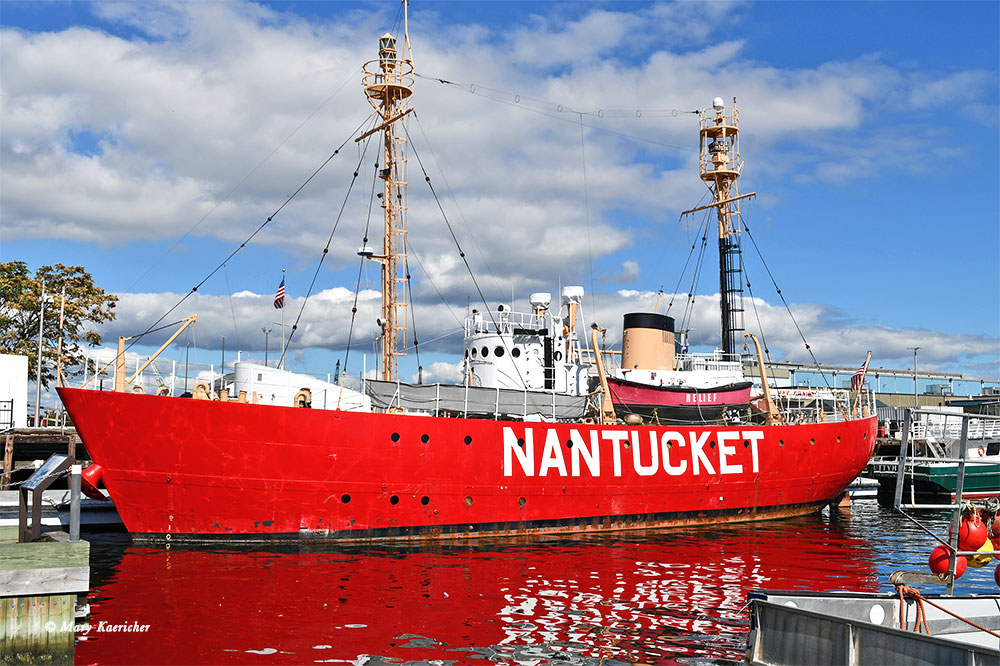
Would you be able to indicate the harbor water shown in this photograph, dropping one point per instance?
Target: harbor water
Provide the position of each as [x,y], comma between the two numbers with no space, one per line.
[650,597]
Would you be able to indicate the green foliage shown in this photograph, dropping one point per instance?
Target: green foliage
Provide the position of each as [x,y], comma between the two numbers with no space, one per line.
[86,305]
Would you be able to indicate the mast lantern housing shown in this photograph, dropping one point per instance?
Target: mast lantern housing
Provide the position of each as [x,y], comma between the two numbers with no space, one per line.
[387,49]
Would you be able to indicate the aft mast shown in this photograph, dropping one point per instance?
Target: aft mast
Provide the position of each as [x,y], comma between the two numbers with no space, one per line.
[720,168]
[388,83]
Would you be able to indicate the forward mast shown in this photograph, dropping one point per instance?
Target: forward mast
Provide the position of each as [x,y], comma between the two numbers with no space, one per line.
[388,84]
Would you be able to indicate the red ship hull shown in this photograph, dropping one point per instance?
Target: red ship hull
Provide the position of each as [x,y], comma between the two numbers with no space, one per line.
[190,469]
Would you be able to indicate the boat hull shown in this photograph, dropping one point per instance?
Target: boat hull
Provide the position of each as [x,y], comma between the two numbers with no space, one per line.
[677,403]
[181,468]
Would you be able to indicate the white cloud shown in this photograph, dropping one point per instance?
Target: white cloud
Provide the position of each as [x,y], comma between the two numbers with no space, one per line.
[108,140]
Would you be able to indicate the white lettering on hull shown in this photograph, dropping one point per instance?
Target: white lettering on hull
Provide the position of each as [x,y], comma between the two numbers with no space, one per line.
[668,452]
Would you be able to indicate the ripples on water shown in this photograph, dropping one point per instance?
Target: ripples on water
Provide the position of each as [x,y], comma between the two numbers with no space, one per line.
[670,596]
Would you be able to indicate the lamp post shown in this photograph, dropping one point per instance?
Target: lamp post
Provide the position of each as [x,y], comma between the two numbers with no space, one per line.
[266,332]
[38,360]
[916,399]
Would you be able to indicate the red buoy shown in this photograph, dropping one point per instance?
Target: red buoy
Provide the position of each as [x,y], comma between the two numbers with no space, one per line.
[971,533]
[938,562]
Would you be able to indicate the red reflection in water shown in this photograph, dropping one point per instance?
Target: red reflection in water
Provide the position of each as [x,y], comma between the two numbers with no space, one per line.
[649,597]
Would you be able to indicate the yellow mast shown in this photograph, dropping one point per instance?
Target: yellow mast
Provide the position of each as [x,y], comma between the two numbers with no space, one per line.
[388,83]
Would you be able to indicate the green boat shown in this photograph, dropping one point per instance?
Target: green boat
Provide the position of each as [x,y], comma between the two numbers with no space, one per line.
[934,482]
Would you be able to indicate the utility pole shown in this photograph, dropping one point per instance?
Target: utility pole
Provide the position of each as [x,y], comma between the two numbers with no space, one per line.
[38,361]
[916,399]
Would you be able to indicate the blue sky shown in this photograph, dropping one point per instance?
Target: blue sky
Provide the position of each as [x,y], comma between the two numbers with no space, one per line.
[146,140]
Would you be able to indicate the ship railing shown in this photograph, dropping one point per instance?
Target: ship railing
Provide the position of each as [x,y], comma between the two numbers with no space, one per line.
[504,323]
[823,405]
[714,362]
[951,428]
[907,464]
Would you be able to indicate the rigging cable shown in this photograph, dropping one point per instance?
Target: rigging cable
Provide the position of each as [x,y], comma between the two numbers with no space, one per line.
[695,277]
[459,208]
[252,171]
[326,251]
[784,302]
[413,316]
[554,110]
[701,231]
[461,252]
[361,267]
[586,207]
[248,239]
[232,307]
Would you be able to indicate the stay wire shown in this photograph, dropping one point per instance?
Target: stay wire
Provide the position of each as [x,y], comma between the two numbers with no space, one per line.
[361,268]
[746,227]
[238,185]
[586,207]
[461,252]
[326,251]
[696,276]
[444,301]
[413,315]
[542,109]
[232,307]
[248,239]
[454,200]
[701,232]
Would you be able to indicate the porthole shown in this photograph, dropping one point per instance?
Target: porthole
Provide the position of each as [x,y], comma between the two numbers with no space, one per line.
[569,443]
[838,439]
[557,356]
[521,501]
[711,444]
[425,438]
[394,437]
[394,500]
[520,442]
[515,352]
[746,443]
[425,500]
[468,440]
[485,351]
[345,499]
[475,352]
[468,501]
[498,351]
[812,441]
[781,442]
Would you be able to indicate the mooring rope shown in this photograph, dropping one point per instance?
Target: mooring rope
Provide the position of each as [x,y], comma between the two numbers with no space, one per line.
[913,593]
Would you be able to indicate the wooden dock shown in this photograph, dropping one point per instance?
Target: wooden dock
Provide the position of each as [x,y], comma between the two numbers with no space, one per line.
[39,584]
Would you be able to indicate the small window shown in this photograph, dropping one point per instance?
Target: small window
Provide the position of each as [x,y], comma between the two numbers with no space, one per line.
[485,352]
[498,350]
[260,376]
[557,356]
[515,352]
[474,352]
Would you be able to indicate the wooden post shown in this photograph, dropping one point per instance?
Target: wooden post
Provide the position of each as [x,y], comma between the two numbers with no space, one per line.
[8,462]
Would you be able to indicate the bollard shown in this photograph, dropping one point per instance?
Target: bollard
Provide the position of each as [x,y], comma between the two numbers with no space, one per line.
[74,503]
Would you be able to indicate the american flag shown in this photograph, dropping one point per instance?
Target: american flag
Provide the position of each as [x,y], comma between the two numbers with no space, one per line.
[279,296]
[858,379]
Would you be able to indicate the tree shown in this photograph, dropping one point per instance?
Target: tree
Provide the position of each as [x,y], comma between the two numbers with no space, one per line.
[20,296]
